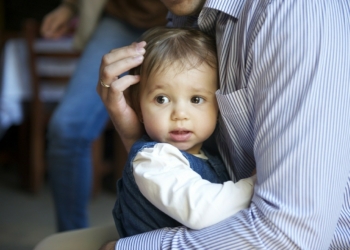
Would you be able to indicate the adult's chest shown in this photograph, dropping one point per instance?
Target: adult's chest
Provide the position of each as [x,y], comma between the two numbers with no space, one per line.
[235,96]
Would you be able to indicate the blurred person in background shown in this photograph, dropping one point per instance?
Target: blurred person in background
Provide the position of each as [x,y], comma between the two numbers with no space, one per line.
[81,116]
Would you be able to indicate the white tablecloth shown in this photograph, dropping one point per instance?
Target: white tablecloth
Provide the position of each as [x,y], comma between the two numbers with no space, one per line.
[16,86]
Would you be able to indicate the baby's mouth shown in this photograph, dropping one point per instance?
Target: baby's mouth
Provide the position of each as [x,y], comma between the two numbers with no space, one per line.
[180,135]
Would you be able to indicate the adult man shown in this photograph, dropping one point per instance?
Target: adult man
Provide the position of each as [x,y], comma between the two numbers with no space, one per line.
[284,80]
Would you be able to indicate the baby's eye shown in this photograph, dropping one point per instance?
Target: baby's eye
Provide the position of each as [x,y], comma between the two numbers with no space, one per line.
[162,99]
[197,100]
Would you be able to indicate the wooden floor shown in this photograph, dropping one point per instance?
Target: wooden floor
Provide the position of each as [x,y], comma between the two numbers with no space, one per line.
[25,218]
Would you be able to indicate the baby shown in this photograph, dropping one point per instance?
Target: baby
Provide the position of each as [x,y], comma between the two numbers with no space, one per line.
[175,100]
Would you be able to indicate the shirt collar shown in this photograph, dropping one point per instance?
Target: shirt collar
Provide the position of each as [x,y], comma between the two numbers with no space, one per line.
[208,14]
[213,9]
[202,155]
[230,7]
[181,21]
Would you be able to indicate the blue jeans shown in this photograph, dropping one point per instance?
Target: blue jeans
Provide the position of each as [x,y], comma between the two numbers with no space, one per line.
[78,120]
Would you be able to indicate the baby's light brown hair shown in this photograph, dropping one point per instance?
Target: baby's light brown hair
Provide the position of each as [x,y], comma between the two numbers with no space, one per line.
[186,47]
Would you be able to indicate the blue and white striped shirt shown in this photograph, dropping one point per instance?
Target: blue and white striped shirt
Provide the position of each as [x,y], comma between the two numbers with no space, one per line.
[284,99]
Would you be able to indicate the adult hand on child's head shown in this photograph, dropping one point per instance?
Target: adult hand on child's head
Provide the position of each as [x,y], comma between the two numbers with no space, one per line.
[112,89]
[57,23]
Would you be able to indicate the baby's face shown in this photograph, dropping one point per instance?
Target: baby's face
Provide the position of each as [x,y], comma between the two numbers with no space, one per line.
[180,108]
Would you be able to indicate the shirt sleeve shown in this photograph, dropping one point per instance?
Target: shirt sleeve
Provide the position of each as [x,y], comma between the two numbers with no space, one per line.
[165,178]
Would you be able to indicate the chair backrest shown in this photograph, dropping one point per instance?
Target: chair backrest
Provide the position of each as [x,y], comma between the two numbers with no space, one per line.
[50,61]
[51,64]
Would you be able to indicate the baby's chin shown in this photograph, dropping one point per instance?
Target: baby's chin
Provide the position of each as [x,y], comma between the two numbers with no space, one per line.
[186,147]
[183,146]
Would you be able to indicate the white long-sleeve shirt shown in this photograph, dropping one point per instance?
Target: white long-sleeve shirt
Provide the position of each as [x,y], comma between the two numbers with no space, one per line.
[189,199]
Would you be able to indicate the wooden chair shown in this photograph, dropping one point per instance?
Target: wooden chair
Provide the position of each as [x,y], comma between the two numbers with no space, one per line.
[37,112]
[33,130]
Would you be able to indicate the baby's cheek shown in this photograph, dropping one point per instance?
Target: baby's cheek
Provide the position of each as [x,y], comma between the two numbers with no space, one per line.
[154,130]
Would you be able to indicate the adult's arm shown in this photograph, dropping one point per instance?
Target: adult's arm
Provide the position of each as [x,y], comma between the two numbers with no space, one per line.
[196,203]
[114,97]
[298,84]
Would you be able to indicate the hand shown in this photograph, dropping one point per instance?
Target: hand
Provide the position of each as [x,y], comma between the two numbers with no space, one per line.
[114,98]
[57,22]
[109,246]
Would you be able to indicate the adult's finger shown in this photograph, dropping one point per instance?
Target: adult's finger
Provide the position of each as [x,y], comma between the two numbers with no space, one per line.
[110,72]
[112,95]
[47,24]
[55,24]
[132,50]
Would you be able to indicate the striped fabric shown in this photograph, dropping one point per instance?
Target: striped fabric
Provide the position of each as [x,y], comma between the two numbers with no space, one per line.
[284,100]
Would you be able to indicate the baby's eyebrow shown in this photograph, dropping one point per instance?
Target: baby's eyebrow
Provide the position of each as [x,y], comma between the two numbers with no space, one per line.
[154,88]
[202,90]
